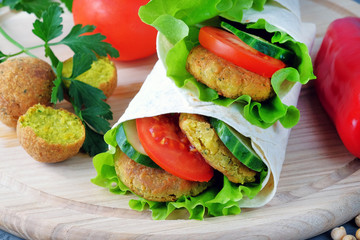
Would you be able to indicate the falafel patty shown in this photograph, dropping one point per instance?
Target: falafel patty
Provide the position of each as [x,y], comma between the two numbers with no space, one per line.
[154,184]
[228,79]
[204,138]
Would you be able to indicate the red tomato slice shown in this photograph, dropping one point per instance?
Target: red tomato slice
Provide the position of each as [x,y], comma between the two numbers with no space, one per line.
[168,147]
[228,46]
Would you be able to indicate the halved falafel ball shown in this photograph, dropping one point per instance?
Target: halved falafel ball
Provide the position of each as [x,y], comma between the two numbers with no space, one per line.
[24,81]
[228,79]
[101,75]
[50,135]
[204,138]
[154,184]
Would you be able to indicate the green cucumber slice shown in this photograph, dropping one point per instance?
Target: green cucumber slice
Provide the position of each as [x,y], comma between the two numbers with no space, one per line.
[261,44]
[129,143]
[238,144]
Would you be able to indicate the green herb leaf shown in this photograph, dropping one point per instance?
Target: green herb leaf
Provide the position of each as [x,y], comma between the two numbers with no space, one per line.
[94,142]
[31,6]
[68,4]
[50,27]
[2,57]
[49,53]
[82,63]
[85,43]
[86,47]
[100,110]
[57,93]
[96,111]
[84,94]
[93,117]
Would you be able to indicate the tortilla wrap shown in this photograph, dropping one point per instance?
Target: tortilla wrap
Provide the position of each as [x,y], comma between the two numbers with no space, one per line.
[159,95]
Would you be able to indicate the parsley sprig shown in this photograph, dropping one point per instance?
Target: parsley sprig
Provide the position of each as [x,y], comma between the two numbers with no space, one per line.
[87,101]
[33,6]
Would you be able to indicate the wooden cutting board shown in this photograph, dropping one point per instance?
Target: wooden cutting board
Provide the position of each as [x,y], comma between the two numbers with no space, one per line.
[319,185]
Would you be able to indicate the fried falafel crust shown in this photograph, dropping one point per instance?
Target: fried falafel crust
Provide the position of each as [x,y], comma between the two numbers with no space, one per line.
[24,82]
[207,142]
[154,184]
[228,79]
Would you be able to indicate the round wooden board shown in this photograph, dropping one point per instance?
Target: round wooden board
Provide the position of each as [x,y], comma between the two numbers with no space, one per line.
[319,185]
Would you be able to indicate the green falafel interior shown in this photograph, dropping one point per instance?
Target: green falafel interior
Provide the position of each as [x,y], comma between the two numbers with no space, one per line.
[179,34]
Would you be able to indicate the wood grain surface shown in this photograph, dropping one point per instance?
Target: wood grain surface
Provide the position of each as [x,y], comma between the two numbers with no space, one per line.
[319,186]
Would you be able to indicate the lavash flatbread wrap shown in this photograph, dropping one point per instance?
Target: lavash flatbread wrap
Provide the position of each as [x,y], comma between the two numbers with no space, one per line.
[179,23]
[160,95]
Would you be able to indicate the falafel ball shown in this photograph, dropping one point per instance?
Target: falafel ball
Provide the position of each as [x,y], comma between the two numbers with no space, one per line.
[101,75]
[154,184]
[204,138]
[50,135]
[228,79]
[24,82]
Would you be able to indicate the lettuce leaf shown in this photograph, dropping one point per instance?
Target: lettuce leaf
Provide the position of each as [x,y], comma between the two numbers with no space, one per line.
[180,24]
[219,200]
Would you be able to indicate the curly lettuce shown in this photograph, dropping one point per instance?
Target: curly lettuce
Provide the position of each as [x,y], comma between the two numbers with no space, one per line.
[180,22]
[219,200]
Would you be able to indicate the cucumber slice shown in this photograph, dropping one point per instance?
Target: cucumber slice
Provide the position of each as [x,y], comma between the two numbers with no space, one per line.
[238,144]
[128,141]
[261,44]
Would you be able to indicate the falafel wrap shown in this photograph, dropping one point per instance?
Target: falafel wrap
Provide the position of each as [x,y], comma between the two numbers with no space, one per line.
[280,61]
[177,152]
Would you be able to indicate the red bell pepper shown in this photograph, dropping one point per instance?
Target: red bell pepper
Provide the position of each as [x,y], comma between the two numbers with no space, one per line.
[337,67]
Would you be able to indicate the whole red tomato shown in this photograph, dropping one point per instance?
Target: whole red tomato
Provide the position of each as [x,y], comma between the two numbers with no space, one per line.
[119,21]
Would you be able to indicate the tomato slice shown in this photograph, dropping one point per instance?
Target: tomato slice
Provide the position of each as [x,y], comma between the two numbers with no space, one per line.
[168,147]
[228,46]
